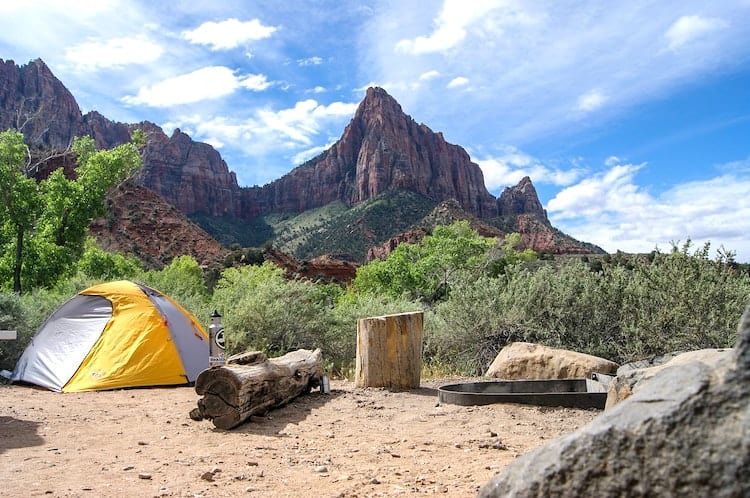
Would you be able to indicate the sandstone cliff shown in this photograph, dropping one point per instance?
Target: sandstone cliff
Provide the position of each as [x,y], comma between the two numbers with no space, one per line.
[35,102]
[191,175]
[381,149]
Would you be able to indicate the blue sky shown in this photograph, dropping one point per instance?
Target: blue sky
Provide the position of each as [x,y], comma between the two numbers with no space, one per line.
[631,118]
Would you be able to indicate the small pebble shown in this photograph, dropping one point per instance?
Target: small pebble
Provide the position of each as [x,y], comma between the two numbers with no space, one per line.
[144,475]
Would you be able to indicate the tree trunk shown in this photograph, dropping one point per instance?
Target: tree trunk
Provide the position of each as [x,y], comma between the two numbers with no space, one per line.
[19,261]
[250,384]
[389,351]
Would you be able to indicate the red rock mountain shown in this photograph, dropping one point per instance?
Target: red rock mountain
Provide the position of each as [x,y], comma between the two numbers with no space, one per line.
[381,149]
[34,101]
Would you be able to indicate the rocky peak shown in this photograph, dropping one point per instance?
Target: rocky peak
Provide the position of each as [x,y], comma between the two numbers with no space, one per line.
[394,152]
[381,149]
[521,199]
[105,132]
[35,102]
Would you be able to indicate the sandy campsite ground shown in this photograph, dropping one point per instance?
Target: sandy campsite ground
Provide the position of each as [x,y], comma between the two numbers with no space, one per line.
[352,442]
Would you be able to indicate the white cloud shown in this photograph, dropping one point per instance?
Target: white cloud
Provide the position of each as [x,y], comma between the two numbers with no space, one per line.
[211,82]
[611,191]
[115,52]
[612,161]
[229,33]
[532,63]
[458,81]
[591,101]
[513,164]
[255,82]
[310,61]
[688,28]
[294,129]
[426,76]
[612,211]
[450,26]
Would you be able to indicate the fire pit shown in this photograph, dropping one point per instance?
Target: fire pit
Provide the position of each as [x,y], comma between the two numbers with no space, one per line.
[571,393]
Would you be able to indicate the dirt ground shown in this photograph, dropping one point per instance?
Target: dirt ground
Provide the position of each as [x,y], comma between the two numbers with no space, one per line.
[349,443]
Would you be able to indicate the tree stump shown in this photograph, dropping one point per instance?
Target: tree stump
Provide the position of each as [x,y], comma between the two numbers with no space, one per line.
[250,384]
[389,351]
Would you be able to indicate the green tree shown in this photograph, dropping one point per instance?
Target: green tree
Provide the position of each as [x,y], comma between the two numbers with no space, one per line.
[19,201]
[509,254]
[426,270]
[97,263]
[45,223]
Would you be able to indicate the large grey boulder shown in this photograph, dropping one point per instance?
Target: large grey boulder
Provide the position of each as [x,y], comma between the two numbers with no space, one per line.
[630,380]
[525,360]
[685,432]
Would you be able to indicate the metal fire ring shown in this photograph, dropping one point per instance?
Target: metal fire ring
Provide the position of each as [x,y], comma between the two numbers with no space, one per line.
[569,393]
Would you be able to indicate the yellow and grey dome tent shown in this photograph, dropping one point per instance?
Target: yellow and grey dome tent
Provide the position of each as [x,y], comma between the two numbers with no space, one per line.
[115,335]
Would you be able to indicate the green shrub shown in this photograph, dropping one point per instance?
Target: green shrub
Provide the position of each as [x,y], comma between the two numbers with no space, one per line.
[263,310]
[103,265]
[630,310]
[426,270]
[12,317]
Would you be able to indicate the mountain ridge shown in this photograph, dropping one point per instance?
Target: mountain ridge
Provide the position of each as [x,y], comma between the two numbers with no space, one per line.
[381,150]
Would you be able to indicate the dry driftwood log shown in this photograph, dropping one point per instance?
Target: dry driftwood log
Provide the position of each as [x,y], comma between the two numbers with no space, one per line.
[249,384]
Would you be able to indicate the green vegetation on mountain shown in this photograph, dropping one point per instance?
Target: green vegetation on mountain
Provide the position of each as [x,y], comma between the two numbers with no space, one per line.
[335,229]
[370,223]
[231,230]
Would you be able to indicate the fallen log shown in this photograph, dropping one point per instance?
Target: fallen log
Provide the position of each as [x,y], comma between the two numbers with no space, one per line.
[251,384]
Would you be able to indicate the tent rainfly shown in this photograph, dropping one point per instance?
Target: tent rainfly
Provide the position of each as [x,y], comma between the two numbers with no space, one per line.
[115,335]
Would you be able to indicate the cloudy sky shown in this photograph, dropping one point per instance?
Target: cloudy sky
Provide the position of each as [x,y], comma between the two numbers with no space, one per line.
[631,118]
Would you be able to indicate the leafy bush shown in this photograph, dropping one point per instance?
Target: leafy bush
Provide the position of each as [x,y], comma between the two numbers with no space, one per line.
[671,302]
[425,271]
[263,310]
[100,264]
[12,318]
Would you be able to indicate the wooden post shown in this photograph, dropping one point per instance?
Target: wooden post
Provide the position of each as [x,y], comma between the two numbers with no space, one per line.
[389,351]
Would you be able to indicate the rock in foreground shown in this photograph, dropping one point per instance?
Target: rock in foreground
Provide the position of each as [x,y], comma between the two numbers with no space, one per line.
[685,432]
